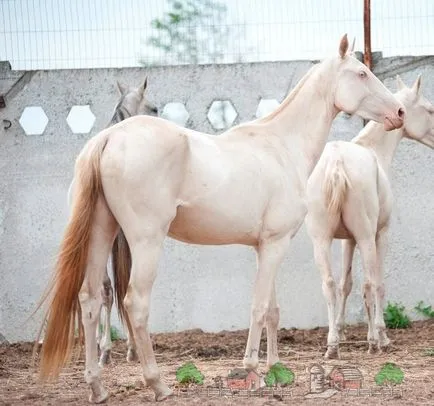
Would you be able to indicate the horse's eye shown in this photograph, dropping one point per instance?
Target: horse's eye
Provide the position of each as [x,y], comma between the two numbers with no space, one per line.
[362,74]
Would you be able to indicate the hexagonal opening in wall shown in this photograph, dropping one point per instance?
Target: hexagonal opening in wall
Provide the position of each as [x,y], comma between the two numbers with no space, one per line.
[175,112]
[222,114]
[266,106]
[80,119]
[33,120]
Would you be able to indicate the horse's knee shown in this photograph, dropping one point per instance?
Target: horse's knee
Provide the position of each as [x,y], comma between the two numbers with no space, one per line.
[329,287]
[367,289]
[259,314]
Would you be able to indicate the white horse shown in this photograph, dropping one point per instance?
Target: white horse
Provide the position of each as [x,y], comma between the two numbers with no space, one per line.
[153,178]
[350,198]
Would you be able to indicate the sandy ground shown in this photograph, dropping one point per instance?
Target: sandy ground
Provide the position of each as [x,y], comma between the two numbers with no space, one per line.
[216,354]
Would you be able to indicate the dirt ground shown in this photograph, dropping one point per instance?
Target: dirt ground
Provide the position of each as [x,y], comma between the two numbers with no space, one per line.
[216,354]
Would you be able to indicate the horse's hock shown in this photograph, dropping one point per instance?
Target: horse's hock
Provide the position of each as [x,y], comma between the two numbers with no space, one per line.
[37,167]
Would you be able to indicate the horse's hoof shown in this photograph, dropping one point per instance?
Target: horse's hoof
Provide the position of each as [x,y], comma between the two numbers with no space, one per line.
[132,355]
[372,349]
[250,364]
[384,349]
[105,358]
[164,394]
[332,352]
[101,398]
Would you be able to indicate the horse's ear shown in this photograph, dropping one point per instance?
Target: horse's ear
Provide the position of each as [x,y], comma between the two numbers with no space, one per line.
[121,87]
[399,83]
[416,85]
[143,87]
[343,46]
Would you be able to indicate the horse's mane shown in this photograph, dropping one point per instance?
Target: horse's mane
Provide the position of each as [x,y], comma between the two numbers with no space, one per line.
[119,113]
[291,96]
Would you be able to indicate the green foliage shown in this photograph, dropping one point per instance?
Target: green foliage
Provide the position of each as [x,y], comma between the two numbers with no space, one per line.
[395,317]
[428,352]
[426,311]
[389,374]
[114,333]
[278,374]
[191,29]
[188,373]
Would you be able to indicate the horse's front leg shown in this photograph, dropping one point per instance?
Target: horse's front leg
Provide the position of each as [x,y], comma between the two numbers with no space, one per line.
[380,325]
[106,340]
[270,255]
[272,324]
[368,254]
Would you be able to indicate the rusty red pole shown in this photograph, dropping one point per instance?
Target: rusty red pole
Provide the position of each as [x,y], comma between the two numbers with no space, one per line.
[367,56]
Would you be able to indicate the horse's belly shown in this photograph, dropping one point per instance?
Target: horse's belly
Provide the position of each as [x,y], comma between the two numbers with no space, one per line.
[197,225]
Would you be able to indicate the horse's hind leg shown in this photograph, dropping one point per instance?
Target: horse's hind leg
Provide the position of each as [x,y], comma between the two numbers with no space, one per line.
[145,250]
[103,232]
[381,243]
[369,261]
[346,284]
[107,302]
[323,262]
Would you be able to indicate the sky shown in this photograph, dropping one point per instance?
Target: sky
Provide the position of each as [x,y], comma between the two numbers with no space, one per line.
[50,34]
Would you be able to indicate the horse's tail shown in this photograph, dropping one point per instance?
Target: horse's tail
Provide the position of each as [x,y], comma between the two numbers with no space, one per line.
[72,260]
[335,184]
[121,263]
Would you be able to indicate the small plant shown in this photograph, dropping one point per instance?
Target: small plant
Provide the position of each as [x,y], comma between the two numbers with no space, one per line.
[188,373]
[389,375]
[426,311]
[395,317]
[428,352]
[278,374]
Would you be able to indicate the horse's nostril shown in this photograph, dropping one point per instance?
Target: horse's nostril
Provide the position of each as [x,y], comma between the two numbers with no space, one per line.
[401,113]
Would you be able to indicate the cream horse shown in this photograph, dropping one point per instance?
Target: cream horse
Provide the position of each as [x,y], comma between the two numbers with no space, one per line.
[350,198]
[153,178]
[132,102]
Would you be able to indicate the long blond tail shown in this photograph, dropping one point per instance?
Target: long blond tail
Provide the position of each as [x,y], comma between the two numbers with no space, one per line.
[71,263]
[335,185]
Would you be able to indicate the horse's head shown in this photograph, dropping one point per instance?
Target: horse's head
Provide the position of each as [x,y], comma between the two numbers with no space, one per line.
[358,91]
[133,100]
[419,118]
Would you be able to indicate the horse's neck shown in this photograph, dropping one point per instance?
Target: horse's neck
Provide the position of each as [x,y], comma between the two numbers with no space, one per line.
[118,116]
[304,119]
[382,142]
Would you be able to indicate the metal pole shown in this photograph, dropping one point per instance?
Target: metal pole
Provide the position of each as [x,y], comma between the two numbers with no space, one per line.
[367,56]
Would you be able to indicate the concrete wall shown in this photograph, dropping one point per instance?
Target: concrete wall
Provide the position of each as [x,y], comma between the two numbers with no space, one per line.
[203,287]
